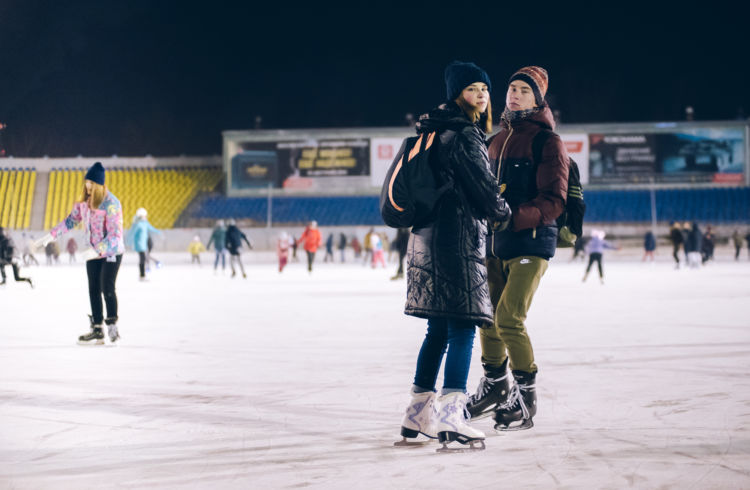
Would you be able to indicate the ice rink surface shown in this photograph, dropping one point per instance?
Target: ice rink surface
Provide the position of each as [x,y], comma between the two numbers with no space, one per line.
[300,381]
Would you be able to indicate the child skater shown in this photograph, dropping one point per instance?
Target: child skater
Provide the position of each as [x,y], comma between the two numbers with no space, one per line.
[101,214]
[282,250]
[447,276]
[195,248]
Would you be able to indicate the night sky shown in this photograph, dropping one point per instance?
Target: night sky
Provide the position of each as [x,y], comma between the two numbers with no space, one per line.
[134,77]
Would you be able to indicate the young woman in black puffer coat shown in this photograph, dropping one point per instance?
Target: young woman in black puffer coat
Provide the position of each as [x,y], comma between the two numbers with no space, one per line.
[447,277]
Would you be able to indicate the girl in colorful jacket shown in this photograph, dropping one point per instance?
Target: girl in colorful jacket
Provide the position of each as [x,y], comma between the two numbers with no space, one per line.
[101,214]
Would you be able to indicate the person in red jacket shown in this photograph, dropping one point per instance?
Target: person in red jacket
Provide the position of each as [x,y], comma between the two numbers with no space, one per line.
[311,240]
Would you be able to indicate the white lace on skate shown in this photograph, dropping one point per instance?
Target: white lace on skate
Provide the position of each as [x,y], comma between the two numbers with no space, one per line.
[515,398]
[485,386]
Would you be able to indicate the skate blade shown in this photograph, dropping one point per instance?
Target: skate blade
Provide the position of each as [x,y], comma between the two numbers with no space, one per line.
[470,447]
[97,343]
[525,425]
[412,443]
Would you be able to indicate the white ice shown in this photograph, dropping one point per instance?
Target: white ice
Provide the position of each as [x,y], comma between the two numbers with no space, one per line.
[295,380]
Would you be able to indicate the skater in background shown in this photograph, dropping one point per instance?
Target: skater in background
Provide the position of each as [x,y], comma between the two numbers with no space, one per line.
[446,283]
[28,252]
[649,245]
[8,257]
[579,247]
[149,256]
[219,240]
[295,244]
[356,247]
[737,241]
[137,238]
[747,240]
[707,245]
[378,254]
[101,214]
[282,250]
[520,254]
[595,248]
[678,239]
[342,247]
[52,252]
[195,248]
[234,243]
[401,243]
[72,248]
[329,249]
[694,245]
[310,240]
[367,244]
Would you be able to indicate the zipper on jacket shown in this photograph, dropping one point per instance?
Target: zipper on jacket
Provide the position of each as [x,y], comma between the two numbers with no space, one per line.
[499,164]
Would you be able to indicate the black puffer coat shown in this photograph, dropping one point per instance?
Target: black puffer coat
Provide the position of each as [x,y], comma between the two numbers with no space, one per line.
[447,276]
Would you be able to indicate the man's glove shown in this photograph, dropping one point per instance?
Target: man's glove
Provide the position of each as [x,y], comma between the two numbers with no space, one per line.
[90,254]
[42,242]
[503,223]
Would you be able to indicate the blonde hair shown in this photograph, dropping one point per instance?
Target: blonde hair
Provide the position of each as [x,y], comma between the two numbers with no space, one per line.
[483,118]
[94,198]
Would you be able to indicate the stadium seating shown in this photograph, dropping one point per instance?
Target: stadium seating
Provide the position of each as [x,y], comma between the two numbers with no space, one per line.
[163,192]
[711,205]
[16,196]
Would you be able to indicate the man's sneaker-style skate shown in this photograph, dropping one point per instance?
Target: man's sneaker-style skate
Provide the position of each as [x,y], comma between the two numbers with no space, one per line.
[420,418]
[492,392]
[521,404]
[114,334]
[453,425]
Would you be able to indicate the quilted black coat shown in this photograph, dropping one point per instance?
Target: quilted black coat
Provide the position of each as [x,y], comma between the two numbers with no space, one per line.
[447,276]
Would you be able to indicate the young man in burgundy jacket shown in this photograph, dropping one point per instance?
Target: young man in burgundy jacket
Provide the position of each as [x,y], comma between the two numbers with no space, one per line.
[534,182]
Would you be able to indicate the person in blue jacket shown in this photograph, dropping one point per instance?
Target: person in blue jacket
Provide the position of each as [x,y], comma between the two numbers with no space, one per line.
[138,239]
[219,240]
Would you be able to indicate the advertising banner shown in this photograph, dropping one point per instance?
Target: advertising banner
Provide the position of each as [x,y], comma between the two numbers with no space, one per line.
[690,155]
[298,164]
[577,146]
[382,153]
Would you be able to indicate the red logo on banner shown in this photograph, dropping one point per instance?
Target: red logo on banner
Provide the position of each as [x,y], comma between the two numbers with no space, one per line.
[385,152]
[728,178]
[298,183]
[573,146]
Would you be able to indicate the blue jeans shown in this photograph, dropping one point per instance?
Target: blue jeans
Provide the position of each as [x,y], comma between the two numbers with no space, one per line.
[220,254]
[455,336]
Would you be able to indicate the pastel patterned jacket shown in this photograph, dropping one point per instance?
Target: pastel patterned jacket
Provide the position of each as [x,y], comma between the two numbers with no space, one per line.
[103,225]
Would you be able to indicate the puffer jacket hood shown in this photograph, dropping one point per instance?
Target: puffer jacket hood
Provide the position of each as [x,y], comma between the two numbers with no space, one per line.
[445,116]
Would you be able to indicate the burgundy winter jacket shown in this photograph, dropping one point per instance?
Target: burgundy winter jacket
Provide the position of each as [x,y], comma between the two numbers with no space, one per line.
[535,191]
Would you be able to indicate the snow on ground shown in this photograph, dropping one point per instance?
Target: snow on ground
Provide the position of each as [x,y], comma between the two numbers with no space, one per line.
[295,380]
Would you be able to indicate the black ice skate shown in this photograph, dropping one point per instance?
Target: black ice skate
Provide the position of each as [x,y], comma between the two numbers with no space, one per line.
[492,392]
[94,337]
[518,412]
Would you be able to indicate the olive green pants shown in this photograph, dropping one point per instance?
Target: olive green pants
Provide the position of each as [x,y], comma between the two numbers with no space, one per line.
[512,286]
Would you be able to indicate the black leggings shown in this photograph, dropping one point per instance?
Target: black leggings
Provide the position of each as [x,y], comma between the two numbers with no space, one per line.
[142,263]
[310,259]
[598,258]
[16,273]
[102,276]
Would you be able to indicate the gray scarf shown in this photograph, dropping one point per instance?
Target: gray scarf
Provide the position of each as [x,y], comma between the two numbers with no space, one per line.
[514,116]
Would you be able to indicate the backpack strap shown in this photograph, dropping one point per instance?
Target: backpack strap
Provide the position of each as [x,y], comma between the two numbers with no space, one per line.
[537,144]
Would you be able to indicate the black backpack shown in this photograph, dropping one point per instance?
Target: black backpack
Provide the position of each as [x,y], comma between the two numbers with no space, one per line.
[570,222]
[412,185]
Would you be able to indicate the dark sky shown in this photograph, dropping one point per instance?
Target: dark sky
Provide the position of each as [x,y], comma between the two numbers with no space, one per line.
[164,78]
